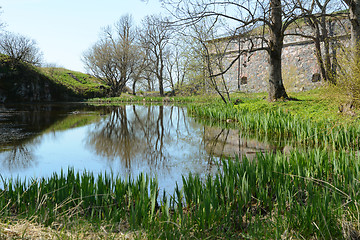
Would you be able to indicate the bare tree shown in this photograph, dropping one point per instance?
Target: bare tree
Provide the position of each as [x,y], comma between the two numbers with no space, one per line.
[178,63]
[319,19]
[266,20]
[2,24]
[20,48]
[212,53]
[139,68]
[114,56]
[149,77]
[354,11]
[155,38]
[194,58]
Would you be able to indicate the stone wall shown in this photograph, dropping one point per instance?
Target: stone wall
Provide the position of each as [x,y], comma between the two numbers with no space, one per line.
[300,68]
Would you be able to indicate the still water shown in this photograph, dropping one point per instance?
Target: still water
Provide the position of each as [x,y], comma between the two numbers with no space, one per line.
[162,141]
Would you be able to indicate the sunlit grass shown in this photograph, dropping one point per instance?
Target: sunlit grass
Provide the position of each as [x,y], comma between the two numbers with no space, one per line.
[81,84]
[127,98]
[285,122]
[303,194]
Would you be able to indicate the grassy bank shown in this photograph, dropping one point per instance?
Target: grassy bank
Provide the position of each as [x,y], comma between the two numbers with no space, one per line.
[140,99]
[23,82]
[81,84]
[300,196]
[312,120]
[317,105]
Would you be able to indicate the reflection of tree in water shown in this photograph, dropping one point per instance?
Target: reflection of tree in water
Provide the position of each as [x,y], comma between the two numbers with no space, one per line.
[18,157]
[114,136]
[130,134]
[21,128]
[228,143]
[213,142]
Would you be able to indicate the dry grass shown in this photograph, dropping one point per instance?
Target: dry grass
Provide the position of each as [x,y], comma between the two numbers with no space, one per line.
[24,229]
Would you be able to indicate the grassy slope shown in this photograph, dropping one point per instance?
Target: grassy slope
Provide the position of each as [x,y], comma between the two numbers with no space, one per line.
[80,83]
[63,84]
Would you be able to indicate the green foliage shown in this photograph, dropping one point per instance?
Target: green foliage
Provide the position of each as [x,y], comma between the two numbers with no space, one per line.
[348,79]
[302,194]
[318,105]
[279,125]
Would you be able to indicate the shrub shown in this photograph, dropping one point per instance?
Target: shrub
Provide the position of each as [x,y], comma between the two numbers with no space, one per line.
[348,79]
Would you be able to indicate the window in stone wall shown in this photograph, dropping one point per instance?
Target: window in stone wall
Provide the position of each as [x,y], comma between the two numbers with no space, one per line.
[243,80]
[316,77]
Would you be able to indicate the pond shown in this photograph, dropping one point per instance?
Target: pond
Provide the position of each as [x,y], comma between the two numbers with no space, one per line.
[162,141]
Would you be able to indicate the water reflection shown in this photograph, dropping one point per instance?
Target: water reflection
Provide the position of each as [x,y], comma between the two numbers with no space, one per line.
[152,135]
[21,129]
[38,140]
[223,142]
[19,157]
[138,134]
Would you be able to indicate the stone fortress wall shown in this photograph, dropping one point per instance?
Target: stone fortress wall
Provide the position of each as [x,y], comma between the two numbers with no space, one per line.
[299,65]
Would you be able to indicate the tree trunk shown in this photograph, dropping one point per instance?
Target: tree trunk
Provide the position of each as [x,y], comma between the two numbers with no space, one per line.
[161,87]
[276,86]
[161,79]
[133,87]
[115,90]
[354,9]
[327,58]
[318,55]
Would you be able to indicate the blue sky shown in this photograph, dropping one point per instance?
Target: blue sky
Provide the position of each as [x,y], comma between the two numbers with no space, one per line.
[64,29]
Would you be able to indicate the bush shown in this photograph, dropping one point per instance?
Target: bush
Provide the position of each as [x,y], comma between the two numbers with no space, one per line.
[348,81]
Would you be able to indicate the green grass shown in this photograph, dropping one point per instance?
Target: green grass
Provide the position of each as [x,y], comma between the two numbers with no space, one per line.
[80,83]
[127,98]
[62,84]
[281,126]
[303,194]
[317,105]
[312,121]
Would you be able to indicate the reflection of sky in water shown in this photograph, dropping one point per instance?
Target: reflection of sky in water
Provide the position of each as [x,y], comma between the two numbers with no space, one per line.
[156,140]
[183,150]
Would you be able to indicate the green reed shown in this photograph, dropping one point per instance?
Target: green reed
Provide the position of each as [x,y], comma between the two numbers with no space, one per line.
[73,195]
[311,194]
[304,193]
[278,125]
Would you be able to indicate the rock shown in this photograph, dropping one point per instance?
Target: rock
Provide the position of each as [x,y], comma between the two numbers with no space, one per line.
[347,109]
